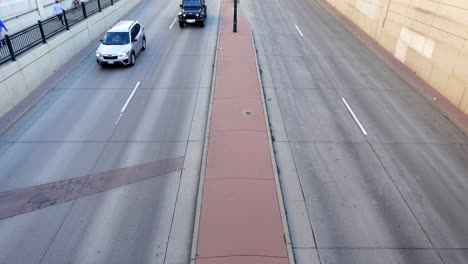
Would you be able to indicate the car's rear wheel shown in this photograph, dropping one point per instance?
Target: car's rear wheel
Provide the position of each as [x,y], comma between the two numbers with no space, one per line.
[181,24]
[143,45]
[132,59]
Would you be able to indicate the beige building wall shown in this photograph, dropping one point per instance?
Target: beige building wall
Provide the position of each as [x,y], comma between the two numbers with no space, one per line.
[429,36]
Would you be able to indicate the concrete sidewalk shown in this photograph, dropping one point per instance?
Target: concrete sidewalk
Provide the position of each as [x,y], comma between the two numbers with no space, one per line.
[240,219]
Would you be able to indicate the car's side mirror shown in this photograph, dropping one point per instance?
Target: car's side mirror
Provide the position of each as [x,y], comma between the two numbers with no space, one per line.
[180,6]
[204,6]
[100,40]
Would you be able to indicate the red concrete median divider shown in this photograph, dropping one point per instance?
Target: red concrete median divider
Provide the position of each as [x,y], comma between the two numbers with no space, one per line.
[240,216]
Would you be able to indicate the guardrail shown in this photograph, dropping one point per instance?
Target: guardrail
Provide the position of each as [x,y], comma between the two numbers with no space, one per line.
[13,45]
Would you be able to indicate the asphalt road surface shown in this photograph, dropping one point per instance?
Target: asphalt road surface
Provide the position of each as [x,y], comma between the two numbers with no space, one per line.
[371,172]
[389,189]
[103,170]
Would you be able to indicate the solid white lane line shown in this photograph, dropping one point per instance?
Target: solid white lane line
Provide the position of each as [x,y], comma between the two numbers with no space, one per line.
[302,35]
[173,22]
[118,119]
[126,103]
[130,97]
[354,116]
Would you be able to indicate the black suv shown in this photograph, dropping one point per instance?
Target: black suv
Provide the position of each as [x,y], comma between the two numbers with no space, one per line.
[192,11]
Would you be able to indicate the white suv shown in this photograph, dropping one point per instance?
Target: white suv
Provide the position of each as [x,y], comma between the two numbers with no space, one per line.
[121,44]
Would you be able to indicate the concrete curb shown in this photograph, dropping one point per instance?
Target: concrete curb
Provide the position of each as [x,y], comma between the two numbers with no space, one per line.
[287,236]
[196,223]
[449,110]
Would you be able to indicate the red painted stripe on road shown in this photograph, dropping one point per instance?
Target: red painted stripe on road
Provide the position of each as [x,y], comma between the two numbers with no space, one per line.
[21,201]
[240,218]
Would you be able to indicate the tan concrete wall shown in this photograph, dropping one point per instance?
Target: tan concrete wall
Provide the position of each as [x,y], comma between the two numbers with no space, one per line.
[429,36]
[19,78]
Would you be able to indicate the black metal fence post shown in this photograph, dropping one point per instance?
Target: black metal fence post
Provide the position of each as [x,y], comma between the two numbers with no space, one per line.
[65,19]
[99,5]
[42,31]
[235,17]
[10,47]
[83,6]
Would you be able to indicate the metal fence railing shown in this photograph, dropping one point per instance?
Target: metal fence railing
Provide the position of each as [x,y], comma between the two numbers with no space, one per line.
[74,15]
[21,41]
[92,6]
[106,3]
[52,26]
[4,52]
[25,39]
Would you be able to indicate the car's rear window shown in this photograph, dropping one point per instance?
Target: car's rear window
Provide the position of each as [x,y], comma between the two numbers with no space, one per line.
[116,38]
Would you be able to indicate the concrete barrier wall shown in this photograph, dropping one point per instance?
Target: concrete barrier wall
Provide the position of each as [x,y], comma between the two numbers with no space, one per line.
[429,36]
[19,78]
